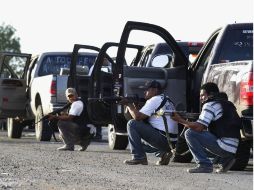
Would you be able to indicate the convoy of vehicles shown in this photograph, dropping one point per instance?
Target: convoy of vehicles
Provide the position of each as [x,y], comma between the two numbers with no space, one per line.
[181,80]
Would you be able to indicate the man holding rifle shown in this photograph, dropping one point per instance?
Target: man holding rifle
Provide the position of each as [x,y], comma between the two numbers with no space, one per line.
[146,131]
[72,126]
[216,130]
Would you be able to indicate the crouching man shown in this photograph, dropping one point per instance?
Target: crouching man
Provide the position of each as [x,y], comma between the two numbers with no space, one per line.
[146,131]
[72,126]
[217,130]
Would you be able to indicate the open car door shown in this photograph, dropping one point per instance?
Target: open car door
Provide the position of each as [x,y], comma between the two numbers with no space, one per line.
[130,80]
[80,82]
[101,85]
[13,88]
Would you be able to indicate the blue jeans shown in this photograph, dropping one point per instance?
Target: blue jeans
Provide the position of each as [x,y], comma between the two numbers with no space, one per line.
[199,142]
[138,131]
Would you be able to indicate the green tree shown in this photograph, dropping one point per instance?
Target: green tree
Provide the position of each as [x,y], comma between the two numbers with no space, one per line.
[8,41]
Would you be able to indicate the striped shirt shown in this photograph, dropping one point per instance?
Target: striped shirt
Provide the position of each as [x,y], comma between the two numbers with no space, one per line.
[212,111]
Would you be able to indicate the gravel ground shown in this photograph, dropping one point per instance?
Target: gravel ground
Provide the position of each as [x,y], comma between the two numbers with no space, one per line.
[28,164]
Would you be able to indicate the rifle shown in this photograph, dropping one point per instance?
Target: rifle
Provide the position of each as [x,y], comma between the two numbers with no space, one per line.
[45,117]
[184,114]
[117,99]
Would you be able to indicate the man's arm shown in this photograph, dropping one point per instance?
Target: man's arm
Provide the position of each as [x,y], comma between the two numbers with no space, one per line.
[62,117]
[135,112]
[192,125]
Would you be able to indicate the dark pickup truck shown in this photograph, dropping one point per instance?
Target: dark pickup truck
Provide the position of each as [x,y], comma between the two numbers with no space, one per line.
[190,50]
[226,59]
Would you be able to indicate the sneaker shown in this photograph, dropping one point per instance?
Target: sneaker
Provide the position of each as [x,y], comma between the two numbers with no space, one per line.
[136,162]
[226,165]
[165,158]
[200,169]
[65,147]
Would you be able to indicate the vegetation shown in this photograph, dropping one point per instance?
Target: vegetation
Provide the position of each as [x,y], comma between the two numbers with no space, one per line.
[8,41]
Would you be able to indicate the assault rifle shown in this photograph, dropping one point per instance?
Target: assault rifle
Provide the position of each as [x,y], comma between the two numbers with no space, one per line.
[57,111]
[184,114]
[117,99]
[46,117]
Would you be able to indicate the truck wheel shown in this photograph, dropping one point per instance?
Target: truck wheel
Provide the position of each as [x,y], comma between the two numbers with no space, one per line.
[116,141]
[182,154]
[14,128]
[242,156]
[42,129]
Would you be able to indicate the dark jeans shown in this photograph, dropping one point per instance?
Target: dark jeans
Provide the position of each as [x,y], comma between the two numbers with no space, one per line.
[138,131]
[71,133]
[200,142]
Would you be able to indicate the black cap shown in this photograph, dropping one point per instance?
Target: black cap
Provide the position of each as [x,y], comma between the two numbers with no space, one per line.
[153,84]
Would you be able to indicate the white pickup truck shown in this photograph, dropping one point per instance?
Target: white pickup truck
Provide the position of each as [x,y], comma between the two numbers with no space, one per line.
[33,86]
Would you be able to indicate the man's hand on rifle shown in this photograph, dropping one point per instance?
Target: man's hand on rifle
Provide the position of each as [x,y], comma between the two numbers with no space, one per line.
[124,101]
[176,117]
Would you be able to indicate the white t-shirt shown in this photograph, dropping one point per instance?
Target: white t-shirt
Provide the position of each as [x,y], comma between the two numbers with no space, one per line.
[157,121]
[76,108]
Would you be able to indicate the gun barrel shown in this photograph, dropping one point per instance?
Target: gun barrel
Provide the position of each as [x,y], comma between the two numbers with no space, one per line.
[117,99]
[184,114]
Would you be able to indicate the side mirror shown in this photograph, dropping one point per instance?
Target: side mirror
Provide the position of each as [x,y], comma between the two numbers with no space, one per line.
[161,60]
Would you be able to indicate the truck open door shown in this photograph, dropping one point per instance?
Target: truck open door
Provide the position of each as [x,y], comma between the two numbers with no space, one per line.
[13,88]
[130,80]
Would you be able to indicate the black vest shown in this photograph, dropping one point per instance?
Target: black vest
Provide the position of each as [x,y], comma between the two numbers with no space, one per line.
[81,120]
[229,124]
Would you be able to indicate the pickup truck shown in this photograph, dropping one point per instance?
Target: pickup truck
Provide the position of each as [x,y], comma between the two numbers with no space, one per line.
[190,50]
[33,86]
[226,58]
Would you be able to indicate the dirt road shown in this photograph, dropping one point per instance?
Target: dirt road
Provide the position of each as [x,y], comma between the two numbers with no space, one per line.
[28,164]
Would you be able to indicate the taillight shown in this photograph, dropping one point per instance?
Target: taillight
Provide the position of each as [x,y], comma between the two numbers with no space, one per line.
[53,88]
[246,89]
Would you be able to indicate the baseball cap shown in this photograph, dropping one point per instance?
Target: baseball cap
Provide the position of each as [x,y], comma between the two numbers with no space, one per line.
[70,91]
[153,84]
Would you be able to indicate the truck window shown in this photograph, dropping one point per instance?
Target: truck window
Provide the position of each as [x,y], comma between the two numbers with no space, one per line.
[238,46]
[14,67]
[52,64]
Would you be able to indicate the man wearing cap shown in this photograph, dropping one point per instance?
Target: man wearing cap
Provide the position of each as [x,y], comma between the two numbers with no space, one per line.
[72,127]
[146,131]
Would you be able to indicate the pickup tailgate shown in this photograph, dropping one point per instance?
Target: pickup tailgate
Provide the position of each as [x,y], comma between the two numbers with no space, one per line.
[235,78]
[61,87]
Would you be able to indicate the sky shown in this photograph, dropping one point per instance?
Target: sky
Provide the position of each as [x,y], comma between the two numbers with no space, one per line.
[56,25]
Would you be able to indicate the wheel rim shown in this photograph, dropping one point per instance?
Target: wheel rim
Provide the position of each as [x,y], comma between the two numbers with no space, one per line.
[9,126]
[111,135]
[38,127]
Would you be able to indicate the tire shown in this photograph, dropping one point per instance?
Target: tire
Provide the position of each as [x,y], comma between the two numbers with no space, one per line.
[116,141]
[43,132]
[14,128]
[242,156]
[182,154]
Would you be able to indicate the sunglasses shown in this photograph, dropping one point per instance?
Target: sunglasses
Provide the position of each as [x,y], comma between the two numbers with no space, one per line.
[70,96]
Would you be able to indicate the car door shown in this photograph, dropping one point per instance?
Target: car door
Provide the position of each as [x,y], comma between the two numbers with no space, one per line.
[129,80]
[13,88]
[101,85]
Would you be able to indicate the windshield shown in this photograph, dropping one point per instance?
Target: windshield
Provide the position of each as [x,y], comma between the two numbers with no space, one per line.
[53,64]
[238,46]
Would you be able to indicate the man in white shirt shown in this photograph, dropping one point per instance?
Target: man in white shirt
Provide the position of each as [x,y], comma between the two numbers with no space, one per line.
[72,126]
[146,136]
